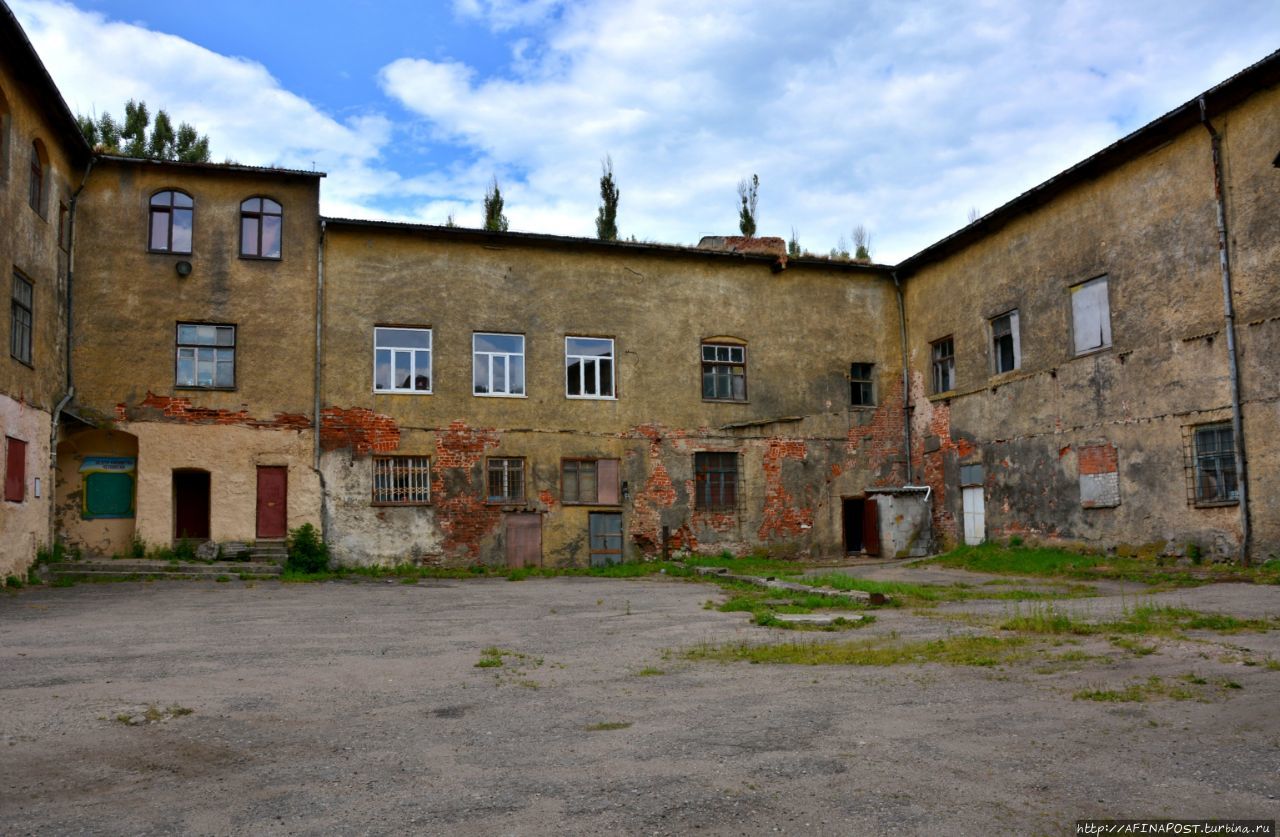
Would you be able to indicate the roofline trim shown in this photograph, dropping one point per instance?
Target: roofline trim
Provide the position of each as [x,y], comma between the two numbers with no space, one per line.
[240,167]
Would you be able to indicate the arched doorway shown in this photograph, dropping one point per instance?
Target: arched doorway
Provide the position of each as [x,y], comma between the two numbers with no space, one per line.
[96,490]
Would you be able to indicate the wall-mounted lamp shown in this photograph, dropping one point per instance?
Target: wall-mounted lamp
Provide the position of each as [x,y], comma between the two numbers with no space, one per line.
[183,268]
[626,490]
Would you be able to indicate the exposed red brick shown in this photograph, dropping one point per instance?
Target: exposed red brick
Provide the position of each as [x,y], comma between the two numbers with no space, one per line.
[466,520]
[1098,459]
[357,428]
[782,518]
[181,410]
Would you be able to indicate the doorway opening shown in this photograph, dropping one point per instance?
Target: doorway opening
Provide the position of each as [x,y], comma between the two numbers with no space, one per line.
[606,538]
[861,523]
[191,505]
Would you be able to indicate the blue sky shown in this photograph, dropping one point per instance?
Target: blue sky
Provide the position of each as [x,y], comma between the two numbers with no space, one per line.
[900,115]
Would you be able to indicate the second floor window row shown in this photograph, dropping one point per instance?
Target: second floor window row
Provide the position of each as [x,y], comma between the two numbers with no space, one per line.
[171,225]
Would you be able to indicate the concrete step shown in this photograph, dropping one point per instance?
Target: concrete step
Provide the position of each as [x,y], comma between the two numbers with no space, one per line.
[119,576]
[270,550]
[162,568]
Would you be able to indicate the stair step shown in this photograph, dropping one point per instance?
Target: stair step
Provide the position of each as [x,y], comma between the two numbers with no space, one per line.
[104,575]
[165,568]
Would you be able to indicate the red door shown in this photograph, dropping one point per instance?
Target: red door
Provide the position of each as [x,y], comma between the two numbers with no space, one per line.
[871,527]
[524,540]
[273,512]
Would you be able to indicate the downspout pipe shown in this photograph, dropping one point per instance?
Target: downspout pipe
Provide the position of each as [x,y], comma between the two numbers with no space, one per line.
[319,361]
[67,371]
[906,377]
[1229,316]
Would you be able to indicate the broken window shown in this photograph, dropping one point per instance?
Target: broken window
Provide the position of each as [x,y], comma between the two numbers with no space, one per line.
[35,191]
[498,364]
[506,480]
[401,480]
[1214,464]
[724,372]
[206,356]
[260,222]
[944,365]
[588,363]
[1006,343]
[589,481]
[716,481]
[15,470]
[169,229]
[1091,315]
[402,360]
[861,392]
[20,320]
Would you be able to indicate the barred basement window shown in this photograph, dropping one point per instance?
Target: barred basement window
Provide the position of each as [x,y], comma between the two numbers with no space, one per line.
[1211,465]
[401,480]
[506,480]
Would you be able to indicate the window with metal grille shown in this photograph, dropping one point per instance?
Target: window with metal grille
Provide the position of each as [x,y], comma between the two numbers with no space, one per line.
[716,481]
[401,480]
[943,353]
[861,392]
[20,320]
[506,480]
[206,356]
[170,222]
[1211,465]
[724,372]
[261,220]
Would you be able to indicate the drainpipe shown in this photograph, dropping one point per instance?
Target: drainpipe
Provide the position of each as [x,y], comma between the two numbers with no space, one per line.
[71,389]
[1229,315]
[906,376]
[319,358]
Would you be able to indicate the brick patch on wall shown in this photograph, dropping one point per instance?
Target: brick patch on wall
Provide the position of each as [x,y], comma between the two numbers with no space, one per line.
[466,520]
[181,410]
[357,428]
[782,517]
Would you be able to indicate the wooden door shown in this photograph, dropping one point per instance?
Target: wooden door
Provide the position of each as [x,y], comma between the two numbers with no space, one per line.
[871,527]
[191,505]
[273,510]
[524,540]
[975,515]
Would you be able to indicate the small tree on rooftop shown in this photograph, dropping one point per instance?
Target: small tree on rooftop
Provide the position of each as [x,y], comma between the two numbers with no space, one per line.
[494,220]
[748,194]
[793,245]
[861,244]
[607,216]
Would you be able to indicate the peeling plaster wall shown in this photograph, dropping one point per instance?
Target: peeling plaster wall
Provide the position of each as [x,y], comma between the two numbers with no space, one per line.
[100,536]
[24,526]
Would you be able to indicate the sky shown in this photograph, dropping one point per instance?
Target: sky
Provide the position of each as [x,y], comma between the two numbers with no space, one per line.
[900,116]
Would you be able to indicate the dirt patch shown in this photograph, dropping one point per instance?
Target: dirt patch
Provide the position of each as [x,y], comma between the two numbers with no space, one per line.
[339,707]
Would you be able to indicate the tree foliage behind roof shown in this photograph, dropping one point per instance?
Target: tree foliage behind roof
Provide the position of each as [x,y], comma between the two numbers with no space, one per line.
[607,216]
[494,220]
[133,139]
[748,195]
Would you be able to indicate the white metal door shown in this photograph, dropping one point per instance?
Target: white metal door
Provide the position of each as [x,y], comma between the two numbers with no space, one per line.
[975,516]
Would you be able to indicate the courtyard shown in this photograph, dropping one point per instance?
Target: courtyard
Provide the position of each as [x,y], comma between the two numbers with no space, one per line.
[583,705]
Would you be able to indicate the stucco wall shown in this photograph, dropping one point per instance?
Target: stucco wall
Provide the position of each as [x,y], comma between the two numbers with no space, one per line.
[24,526]
[95,536]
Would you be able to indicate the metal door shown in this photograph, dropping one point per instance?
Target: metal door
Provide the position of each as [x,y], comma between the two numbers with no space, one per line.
[975,515]
[273,492]
[524,540]
[606,538]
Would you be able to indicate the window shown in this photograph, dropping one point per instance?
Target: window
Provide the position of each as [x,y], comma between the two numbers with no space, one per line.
[588,365]
[20,320]
[498,364]
[716,481]
[260,223]
[506,480]
[724,372]
[35,189]
[4,137]
[170,227]
[861,392]
[1215,465]
[15,470]
[402,360]
[206,356]
[401,480]
[64,227]
[1091,315]
[1006,343]
[589,481]
[943,353]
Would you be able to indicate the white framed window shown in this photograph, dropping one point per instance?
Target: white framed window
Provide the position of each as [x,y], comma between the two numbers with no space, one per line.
[1006,343]
[497,364]
[588,367]
[402,360]
[1090,315]
[506,480]
[401,480]
[206,356]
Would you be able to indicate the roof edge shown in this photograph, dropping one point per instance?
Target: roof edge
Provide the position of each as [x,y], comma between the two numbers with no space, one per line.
[70,129]
[179,164]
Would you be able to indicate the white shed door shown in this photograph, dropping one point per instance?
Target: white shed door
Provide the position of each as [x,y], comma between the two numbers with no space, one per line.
[975,516]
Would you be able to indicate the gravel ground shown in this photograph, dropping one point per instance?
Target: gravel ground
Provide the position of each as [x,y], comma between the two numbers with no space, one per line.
[359,708]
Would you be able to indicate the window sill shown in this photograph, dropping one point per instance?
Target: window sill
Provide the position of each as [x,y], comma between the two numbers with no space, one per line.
[727,510]
[943,396]
[195,388]
[591,397]
[579,504]
[497,395]
[375,504]
[248,258]
[1215,504]
[168,252]
[403,392]
[25,363]
[506,501]
[725,401]
[998,378]
[1094,351]
[863,406]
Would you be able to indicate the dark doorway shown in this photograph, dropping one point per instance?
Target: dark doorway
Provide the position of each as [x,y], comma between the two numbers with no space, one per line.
[854,510]
[273,492]
[191,505]
[861,525]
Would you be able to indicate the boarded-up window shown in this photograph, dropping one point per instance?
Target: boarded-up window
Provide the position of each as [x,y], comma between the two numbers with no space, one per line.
[1091,315]
[716,479]
[1099,476]
[972,474]
[15,470]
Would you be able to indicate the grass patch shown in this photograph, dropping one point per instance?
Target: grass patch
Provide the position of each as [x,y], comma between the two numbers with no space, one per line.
[959,651]
[765,604]
[650,671]
[1140,620]
[1188,686]
[1132,645]
[492,657]
[606,726]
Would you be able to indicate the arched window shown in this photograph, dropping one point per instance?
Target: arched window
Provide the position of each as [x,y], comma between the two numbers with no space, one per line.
[35,192]
[260,223]
[169,230]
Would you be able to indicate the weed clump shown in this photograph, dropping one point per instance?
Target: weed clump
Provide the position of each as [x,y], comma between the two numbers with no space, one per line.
[308,552]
